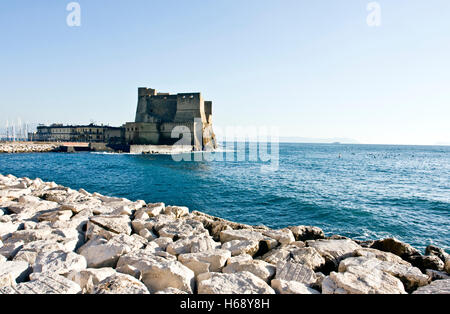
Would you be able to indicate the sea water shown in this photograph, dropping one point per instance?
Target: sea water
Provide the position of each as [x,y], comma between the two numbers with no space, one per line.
[360,191]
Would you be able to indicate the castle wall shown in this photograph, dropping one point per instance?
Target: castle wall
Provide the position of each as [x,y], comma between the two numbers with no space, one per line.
[208,111]
[189,107]
[162,108]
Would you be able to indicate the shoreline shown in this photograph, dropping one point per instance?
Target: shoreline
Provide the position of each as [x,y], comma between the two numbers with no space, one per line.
[81,242]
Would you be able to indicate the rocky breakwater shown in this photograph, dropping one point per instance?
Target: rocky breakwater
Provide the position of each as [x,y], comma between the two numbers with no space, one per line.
[58,240]
[26,147]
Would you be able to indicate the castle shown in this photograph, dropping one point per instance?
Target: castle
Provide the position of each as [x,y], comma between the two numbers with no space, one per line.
[161,119]
[158,114]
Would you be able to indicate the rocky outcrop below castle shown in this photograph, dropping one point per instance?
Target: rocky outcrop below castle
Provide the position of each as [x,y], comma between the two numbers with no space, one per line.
[58,240]
[27,147]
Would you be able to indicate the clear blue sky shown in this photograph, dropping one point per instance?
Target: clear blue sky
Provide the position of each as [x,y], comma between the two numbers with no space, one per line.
[312,68]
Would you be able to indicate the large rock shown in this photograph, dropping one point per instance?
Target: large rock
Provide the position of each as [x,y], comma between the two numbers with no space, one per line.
[12,272]
[59,262]
[303,233]
[265,243]
[283,236]
[6,228]
[289,271]
[259,268]
[241,234]
[213,260]
[276,256]
[291,287]
[117,224]
[94,231]
[90,277]
[177,211]
[10,249]
[31,235]
[170,291]
[181,229]
[203,244]
[44,284]
[358,280]
[437,251]
[120,284]
[396,247]
[436,275]
[192,244]
[237,283]
[447,265]
[309,257]
[238,247]
[382,256]
[157,273]
[436,287]
[427,262]
[411,276]
[56,215]
[100,252]
[334,250]
[155,209]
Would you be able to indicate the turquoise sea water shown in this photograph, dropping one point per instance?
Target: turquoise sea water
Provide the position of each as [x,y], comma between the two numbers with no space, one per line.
[372,191]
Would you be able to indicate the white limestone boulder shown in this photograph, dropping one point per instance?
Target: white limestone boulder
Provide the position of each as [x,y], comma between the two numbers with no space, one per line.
[100,252]
[181,229]
[154,209]
[358,280]
[308,256]
[276,256]
[290,271]
[185,245]
[56,215]
[215,259]
[235,283]
[238,247]
[170,291]
[147,234]
[93,231]
[283,236]
[204,243]
[44,284]
[90,277]
[291,287]
[259,268]
[13,272]
[436,287]
[334,250]
[177,211]
[382,256]
[59,262]
[411,276]
[156,272]
[117,224]
[162,242]
[30,251]
[120,284]
[11,248]
[7,228]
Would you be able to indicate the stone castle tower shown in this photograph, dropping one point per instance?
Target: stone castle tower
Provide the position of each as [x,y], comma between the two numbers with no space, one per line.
[158,114]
